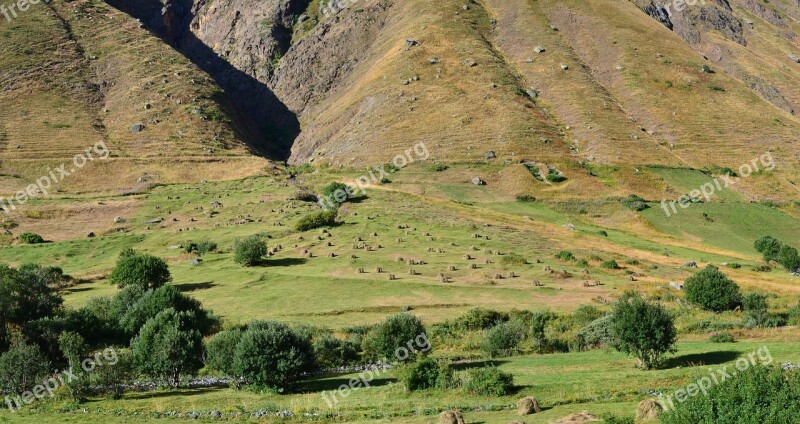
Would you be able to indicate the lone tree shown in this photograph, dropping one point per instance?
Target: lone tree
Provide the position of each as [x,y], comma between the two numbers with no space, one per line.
[642,329]
[270,355]
[249,251]
[789,258]
[145,271]
[713,290]
[769,247]
[168,346]
[400,337]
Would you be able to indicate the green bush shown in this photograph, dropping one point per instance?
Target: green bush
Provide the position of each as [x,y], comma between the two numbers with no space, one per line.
[168,346]
[148,304]
[220,350]
[489,381]
[597,334]
[200,248]
[721,337]
[439,167]
[712,290]
[644,330]
[145,271]
[31,238]
[603,233]
[502,340]
[793,316]
[769,247]
[554,176]
[565,255]
[249,251]
[22,367]
[586,314]
[479,319]
[733,265]
[760,394]
[757,309]
[583,263]
[272,356]
[400,337]
[331,352]
[539,321]
[610,264]
[316,220]
[525,198]
[789,258]
[337,193]
[426,374]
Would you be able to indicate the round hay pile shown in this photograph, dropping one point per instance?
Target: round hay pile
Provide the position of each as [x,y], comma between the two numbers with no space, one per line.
[528,405]
[648,410]
[451,417]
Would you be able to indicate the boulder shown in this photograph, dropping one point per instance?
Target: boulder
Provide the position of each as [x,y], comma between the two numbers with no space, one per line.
[490,155]
[539,49]
[119,220]
[478,181]
[136,128]
[527,406]
[794,58]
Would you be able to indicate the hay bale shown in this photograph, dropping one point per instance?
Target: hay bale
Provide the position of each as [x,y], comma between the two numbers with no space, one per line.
[379,270]
[451,417]
[527,406]
[392,277]
[648,410]
[473,266]
[579,418]
[451,268]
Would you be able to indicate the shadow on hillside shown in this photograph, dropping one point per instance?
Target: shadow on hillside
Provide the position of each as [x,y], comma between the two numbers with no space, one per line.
[261,118]
[697,359]
[190,287]
[283,262]
[157,394]
[332,384]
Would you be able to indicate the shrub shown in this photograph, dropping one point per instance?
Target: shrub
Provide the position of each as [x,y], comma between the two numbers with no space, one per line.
[305,196]
[733,265]
[793,316]
[168,346]
[722,337]
[514,259]
[525,198]
[712,290]
[479,319]
[316,220]
[439,167]
[502,340]
[399,337]
[200,248]
[150,303]
[539,321]
[586,314]
[270,355]
[249,251]
[758,395]
[145,271]
[489,381]
[565,256]
[635,203]
[426,374]
[598,333]
[603,233]
[331,352]
[756,307]
[769,247]
[22,367]
[610,264]
[644,330]
[554,176]
[31,238]
[583,263]
[337,193]
[789,258]
[220,350]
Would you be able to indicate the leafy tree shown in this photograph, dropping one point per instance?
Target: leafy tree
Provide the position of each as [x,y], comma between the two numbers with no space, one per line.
[220,351]
[539,322]
[317,220]
[489,381]
[756,307]
[145,271]
[168,346]
[271,355]
[391,338]
[154,301]
[337,193]
[331,352]
[713,290]
[502,340]
[788,258]
[73,347]
[644,330]
[769,247]
[598,333]
[22,367]
[249,251]
[26,295]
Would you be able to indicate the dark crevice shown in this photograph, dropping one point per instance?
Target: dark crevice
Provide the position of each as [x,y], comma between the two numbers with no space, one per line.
[266,123]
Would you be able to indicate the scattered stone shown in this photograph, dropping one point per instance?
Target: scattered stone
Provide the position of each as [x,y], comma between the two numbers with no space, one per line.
[794,58]
[676,285]
[411,43]
[434,60]
[691,264]
[90,234]
[119,220]
[136,128]
[490,155]
[539,49]
[478,181]
[564,66]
